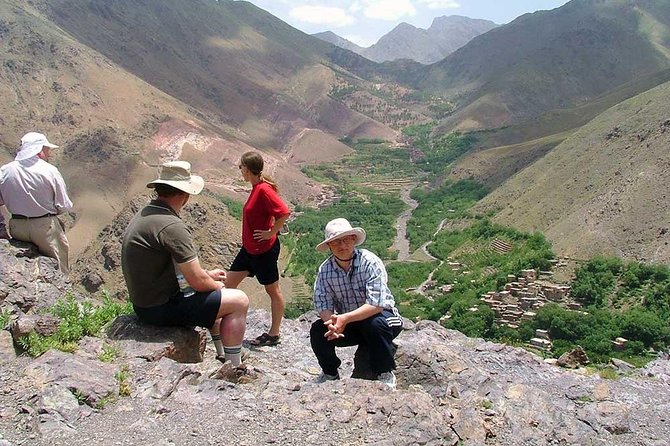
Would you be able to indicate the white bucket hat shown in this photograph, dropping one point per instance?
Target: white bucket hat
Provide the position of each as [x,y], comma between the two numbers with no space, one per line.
[178,175]
[338,228]
[31,145]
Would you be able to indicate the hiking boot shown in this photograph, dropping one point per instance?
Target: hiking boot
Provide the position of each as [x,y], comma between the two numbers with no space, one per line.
[265,339]
[388,378]
[323,377]
[237,375]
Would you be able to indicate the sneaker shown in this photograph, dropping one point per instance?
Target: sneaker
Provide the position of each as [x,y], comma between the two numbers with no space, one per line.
[323,377]
[237,375]
[388,378]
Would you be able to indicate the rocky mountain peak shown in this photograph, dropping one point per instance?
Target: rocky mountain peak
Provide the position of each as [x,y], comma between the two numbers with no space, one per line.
[445,35]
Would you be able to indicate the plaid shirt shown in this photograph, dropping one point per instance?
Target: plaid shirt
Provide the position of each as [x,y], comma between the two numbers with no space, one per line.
[343,291]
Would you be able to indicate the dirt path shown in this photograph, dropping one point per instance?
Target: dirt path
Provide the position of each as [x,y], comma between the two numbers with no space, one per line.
[401,244]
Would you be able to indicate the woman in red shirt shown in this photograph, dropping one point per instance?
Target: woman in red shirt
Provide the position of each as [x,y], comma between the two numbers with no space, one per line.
[263,216]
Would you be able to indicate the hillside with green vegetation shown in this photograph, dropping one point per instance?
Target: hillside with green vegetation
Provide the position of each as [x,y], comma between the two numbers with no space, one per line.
[601,191]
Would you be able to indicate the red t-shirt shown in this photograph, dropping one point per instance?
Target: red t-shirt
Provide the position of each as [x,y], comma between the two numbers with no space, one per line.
[260,211]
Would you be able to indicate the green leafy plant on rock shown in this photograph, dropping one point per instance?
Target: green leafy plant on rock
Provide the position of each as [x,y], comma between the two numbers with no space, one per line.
[78,319]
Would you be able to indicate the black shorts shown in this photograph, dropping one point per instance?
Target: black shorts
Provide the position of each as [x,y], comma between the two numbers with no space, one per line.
[198,310]
[263,266]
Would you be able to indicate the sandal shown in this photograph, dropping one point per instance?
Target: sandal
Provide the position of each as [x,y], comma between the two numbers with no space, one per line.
[265,339]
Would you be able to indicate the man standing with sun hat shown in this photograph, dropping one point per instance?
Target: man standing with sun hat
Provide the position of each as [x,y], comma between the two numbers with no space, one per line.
[34,193]
[158,253]
[354,303]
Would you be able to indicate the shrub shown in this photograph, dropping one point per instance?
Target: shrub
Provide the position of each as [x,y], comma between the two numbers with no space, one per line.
[78,319]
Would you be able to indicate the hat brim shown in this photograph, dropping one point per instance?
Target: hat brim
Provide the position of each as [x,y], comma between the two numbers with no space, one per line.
[358,232]
[33,150]
[192,187]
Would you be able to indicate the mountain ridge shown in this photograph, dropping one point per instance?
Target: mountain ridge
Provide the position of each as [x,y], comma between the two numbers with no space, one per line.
[509,75]
[445,35]
[602,190]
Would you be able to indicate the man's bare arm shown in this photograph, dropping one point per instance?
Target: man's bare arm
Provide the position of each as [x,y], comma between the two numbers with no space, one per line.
[199,279]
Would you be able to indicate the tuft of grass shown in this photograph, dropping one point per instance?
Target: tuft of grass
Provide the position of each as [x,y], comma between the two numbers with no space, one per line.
[608,373]
[487,404]
[102,402]
[5,316]
[123,378]
[109,353]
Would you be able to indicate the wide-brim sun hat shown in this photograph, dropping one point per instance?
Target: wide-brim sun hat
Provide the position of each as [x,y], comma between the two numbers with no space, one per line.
[338,228]
[32,144]
[178,175]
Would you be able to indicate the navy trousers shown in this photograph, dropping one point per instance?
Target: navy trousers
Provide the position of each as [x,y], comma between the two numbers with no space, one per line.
[376,332]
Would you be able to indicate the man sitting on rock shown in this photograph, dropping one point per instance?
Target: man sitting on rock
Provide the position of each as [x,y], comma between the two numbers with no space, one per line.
[166,283]
[354,303]
[34,192]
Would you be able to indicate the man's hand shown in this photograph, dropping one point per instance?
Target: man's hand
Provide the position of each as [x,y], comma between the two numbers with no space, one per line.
[3,231]
[217,274]
[335,326]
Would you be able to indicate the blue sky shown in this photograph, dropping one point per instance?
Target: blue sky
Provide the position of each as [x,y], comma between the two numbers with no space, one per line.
[365,21]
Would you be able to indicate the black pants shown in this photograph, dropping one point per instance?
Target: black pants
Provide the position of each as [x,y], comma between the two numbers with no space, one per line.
[374,332]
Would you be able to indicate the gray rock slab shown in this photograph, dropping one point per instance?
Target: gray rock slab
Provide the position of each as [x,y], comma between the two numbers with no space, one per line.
[152,343]
[89,380]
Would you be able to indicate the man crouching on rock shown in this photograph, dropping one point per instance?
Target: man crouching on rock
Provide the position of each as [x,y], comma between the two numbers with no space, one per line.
[166,283]
[354,303]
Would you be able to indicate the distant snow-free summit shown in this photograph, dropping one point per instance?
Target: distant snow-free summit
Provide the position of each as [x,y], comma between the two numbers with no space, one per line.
[427,46]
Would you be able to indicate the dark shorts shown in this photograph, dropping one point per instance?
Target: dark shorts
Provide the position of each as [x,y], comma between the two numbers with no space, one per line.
[263,266]
[198,310]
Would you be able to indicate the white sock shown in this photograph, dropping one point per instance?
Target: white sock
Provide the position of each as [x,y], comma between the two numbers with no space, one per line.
[216,340]
[233,353]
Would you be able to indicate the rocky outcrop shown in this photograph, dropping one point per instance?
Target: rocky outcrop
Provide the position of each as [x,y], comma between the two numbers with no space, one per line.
[574,358]
[28,281]
[451,390]
[152,343]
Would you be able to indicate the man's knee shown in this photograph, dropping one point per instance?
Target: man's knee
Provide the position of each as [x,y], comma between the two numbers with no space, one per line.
[234,300]
[318,329]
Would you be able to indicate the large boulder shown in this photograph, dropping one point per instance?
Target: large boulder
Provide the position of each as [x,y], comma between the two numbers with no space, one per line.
[573,359]
[89,380]
[28,280]
[135,339]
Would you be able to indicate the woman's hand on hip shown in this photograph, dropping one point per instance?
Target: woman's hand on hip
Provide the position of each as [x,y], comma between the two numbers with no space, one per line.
[263,234]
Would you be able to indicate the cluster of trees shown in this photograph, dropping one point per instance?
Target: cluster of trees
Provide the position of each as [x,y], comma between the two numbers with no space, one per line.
[439,150]
[451,201]
[594,331]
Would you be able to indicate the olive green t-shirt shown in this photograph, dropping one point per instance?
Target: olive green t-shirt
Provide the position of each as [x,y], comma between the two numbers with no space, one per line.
[155,240]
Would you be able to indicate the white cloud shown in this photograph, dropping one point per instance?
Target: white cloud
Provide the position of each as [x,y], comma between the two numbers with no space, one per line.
[440,4]
[322,15]
[390,10]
